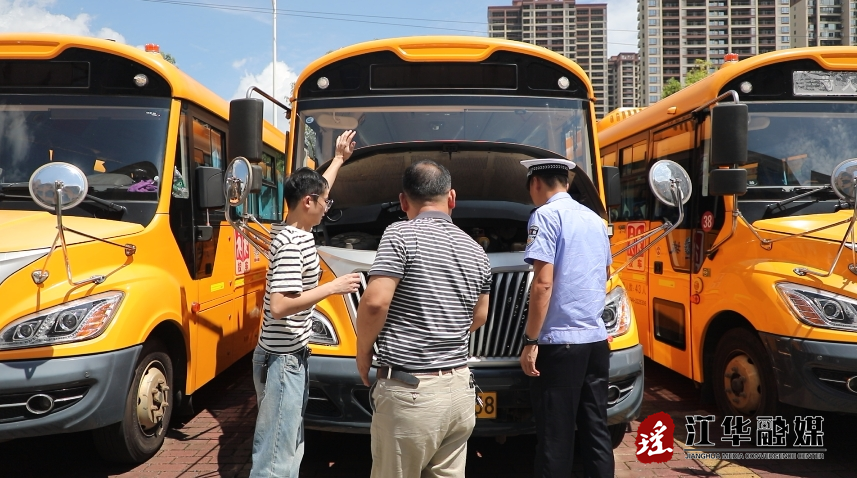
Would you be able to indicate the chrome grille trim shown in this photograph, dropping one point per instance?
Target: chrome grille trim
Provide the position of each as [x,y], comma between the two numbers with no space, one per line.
[500,341]
[502,335]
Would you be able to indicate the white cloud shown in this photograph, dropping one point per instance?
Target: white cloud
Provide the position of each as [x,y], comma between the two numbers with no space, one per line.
[265,81]
[237,64]
[33,16]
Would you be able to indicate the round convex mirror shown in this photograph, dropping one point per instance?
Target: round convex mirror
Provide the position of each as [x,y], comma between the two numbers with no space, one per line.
[73,186]
[662,175]
[842,179]
[238,178]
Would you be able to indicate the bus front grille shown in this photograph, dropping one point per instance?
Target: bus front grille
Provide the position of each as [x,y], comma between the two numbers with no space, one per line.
[502,336]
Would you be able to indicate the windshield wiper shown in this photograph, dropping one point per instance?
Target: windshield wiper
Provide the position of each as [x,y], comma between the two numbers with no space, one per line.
[779,204]
[112,206]
[7,188]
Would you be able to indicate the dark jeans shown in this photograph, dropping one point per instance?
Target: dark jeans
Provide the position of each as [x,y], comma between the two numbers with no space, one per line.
[572,389]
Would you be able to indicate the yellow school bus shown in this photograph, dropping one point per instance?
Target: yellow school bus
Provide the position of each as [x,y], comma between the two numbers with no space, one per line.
[752,295]
[478,106]
[123,290]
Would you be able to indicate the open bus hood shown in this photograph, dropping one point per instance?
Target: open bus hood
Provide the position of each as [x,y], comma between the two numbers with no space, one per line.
[27,230]
[799,224]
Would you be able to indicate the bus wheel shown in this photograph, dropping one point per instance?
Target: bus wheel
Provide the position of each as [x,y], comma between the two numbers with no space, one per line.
[743,378]
[617,433]
[148,408]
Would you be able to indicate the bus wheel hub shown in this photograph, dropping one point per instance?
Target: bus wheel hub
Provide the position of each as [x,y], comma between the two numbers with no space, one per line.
[152,398]
[742,384]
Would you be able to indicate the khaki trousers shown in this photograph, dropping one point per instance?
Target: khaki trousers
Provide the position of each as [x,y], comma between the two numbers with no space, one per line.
[422,430]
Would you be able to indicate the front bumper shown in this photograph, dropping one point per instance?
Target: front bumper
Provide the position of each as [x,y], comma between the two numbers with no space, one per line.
[339,402]
[814,374]
[87,392]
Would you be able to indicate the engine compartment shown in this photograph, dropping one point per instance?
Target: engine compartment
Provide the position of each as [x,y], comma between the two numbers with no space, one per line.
[497,235]
[492,202]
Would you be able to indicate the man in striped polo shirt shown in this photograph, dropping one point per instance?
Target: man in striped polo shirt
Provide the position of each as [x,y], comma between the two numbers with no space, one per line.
[428,289]
[280,359]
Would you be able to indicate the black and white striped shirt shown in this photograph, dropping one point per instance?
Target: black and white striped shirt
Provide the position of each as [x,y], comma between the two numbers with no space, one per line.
[442,272]
[294,269]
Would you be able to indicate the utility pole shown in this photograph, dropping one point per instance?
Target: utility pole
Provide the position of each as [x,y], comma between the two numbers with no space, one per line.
[274,66]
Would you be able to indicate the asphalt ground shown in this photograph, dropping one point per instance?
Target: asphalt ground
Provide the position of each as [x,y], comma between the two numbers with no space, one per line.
[217,441]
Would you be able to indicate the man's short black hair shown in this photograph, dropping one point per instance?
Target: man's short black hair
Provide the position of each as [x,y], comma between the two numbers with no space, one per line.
[426,180]
[303,182]
[551,180]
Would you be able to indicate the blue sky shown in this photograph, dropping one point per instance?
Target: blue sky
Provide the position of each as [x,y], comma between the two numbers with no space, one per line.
[228,50]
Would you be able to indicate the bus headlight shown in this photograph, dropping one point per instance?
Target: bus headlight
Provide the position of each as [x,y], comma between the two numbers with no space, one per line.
[80,319]
[819,308]
[323,332]
[617,312]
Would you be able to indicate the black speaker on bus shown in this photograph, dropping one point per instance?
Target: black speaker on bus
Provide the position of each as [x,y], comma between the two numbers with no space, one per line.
[245,129]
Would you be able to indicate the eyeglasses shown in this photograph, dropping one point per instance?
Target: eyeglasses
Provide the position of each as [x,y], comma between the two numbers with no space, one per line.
[327,202]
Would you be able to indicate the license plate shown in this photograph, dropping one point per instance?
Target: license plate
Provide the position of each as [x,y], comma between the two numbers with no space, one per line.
[488,408]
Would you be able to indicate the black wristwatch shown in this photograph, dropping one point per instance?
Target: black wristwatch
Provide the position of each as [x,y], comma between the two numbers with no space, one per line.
[529,341]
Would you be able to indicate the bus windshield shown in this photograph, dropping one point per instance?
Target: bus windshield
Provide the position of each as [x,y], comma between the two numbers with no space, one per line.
[558,125]
[118,143]
[798,144]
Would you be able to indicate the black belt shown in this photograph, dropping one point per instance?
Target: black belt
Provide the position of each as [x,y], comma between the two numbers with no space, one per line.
[409,377]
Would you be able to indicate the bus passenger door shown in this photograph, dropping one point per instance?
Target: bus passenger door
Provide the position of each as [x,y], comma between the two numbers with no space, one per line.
[218,258]
[629,220]
[670,261]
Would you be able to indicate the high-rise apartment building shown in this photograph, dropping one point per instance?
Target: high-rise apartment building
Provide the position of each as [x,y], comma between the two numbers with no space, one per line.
[823,22]
[577,31]
[622,90]
[675,33]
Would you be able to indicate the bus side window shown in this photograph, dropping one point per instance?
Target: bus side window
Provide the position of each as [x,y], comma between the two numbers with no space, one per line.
[635,187]
[609,159]
[675,143]
[266,204]
[208,145]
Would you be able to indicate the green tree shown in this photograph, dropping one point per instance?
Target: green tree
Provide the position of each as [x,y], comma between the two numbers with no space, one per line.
[169,58]
[699,71]
[671,86]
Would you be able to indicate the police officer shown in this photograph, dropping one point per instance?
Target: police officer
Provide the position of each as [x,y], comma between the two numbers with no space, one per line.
[566,349]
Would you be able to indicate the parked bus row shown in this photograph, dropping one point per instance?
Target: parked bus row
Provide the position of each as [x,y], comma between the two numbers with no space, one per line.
[125,289]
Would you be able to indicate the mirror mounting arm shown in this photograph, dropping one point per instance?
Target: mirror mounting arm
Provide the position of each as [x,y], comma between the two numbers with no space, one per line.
[261,242]
[731,93]
[42,274]
[269,98]
[667,227]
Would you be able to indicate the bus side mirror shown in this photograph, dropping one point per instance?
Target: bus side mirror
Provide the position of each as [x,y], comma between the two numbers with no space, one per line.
[612,185]
[726,182]
[245,129]
[729,124]
[209,187]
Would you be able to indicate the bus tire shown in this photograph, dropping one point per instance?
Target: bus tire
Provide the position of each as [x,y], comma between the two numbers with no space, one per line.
[148,409]
[617,434]
[742,376]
